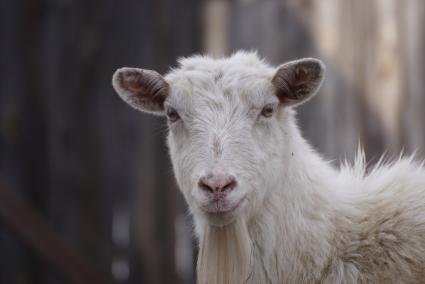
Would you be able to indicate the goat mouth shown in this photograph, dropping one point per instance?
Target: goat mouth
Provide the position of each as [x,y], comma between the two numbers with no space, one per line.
[218,208]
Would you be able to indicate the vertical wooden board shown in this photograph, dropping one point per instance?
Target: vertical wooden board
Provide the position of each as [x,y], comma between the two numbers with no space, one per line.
[22,133]
[413,117]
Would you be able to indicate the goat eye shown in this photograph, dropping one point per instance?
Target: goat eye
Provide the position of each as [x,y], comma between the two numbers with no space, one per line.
[172,115]
[267,111]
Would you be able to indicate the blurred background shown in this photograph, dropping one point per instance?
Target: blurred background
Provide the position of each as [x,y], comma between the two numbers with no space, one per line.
[87,193]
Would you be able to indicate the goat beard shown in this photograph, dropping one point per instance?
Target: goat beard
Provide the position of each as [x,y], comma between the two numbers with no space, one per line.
[225,254]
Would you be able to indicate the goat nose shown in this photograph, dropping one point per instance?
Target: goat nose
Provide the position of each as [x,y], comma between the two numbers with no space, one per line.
[217,183]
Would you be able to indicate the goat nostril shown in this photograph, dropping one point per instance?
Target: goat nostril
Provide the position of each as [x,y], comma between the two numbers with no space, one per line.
[203,184]
[215,184]
[231,184]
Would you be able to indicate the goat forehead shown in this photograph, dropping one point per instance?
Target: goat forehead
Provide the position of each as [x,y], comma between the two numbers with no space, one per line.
[220,91]
[242,68]
[218,77]
[216,92]
[218,113]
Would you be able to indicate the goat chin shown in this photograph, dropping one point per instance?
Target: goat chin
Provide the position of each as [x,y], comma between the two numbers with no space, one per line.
[225,254]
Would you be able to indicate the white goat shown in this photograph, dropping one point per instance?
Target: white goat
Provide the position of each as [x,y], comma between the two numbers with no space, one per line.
[267,208]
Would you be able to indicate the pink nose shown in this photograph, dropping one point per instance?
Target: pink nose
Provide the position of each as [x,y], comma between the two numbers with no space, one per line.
[216,183]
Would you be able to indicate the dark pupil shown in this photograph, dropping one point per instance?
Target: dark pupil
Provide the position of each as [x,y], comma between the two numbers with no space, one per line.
[172,115]
[267,110]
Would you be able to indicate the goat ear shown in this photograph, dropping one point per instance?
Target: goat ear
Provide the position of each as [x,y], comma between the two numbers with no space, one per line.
[297,81]
[144,90]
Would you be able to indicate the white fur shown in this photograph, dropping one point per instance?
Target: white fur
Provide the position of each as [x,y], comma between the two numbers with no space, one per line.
[303,220]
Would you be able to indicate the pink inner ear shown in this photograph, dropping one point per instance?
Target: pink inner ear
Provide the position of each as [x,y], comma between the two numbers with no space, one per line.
[147,89]
[133,82]
[296,82]
[283,81]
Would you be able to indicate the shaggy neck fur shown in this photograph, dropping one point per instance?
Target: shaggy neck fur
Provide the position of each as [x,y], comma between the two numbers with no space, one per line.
[298,209]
